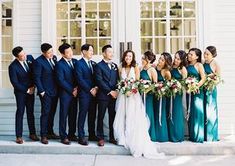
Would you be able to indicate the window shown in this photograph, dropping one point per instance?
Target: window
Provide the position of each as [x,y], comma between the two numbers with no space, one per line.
[168,25]
[6,42]
[84,21]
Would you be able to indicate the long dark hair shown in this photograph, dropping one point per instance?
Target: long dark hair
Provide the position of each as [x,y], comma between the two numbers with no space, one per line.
[168,59]
[183,57]
[133,62]
[149,55]
[198,53]
[212,50]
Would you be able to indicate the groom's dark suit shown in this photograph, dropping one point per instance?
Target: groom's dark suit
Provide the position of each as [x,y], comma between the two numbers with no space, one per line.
[106,78]
[87,103]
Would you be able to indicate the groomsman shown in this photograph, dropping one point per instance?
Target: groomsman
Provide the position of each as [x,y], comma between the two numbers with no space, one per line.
[87,92]
[106,79]
[20,73]
[45,80]
[68,94]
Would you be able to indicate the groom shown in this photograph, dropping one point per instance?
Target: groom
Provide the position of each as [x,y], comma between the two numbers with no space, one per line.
[106,79]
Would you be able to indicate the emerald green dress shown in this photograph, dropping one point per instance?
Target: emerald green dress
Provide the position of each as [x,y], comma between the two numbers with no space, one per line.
[211,111]
[160,115]
[176,116]
[196,116]
[149,107]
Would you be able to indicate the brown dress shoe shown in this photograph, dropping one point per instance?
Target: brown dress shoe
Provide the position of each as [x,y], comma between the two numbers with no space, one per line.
[73,138]
[65,141]
[113,141]
[101,142]
[34,137]
[82,141]
[44,140]
[53,136]
[19,140]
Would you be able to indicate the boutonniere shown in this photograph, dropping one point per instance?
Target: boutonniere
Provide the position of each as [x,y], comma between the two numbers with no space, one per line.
[113,66]
[54,58]
[29,62]
[93,63]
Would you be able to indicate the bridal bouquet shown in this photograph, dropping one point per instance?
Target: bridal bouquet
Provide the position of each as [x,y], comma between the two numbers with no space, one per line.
[191,85]
[174,87]
[145,86]
[128,86]
[212,81]
[160,89]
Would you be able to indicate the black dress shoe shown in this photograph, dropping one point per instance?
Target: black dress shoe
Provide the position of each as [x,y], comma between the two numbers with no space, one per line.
[44,140]
[73,138]
[53,136]
[82,141]
[65,141]
[113,141]
[93,138]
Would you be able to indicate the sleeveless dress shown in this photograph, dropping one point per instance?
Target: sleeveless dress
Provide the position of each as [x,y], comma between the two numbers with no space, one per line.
[195,106]
[149,107]
[176,118]
[211,111]
[160,115]
[131,124]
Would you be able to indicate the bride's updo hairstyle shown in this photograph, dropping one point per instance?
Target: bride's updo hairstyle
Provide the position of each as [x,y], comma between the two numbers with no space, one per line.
[133,62]
[150,56]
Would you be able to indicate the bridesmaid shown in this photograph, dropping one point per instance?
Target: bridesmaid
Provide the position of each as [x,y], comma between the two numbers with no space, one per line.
[195,104]
[210,101]
[163,72]
[176,120]
[149,73]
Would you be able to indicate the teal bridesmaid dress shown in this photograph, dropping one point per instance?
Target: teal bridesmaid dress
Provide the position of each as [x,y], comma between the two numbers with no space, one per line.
[160,116]
[149,107]
[211,111]
[176,120]
[196,117]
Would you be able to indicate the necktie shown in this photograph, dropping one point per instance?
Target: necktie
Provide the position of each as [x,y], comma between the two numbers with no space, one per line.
[70,64]
[90,66]
[51,64]
[26,66]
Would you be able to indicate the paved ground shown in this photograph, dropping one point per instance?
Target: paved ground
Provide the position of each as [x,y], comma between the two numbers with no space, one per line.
[112,160]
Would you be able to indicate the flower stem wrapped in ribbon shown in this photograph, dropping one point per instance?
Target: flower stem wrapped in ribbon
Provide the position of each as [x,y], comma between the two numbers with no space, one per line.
[128,86]
[212,80]
[191,85]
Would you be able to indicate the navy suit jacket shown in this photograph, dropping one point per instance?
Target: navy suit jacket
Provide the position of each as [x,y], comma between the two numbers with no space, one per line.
[20,79]
[65,77]
[44,76]
[85,78]
[106,79]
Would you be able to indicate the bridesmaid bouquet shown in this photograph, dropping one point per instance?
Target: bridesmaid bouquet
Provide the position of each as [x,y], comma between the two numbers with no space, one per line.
[128,86]
[191,85]
[145,86]
[212,81]
[174,87]
[160,89]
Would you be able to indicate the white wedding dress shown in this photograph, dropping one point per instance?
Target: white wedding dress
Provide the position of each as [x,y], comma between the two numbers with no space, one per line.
[131,124]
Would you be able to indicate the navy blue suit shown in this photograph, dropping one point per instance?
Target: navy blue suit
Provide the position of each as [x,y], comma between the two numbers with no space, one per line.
[22,80]
[106,80]
[87,103]
[45,81]
[68,103]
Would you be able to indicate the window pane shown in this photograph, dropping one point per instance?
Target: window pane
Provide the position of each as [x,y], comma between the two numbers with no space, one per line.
[62,28]
[176,27]
[94,43]
[189,43]
[91,10]
[146,28]
[160,9]
[105,28]
[76,45]
[146,9]
[91,28]
[62,9]
[160,45]
[75,11]
[103,42]
[189,9]
[189,27]
[160,28]
[7,44]
[75,28]
[175,9]
[105,10]
[5,79]
[176,44]
[146,44]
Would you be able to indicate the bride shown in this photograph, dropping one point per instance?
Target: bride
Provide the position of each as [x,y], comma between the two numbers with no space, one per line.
[131,123]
